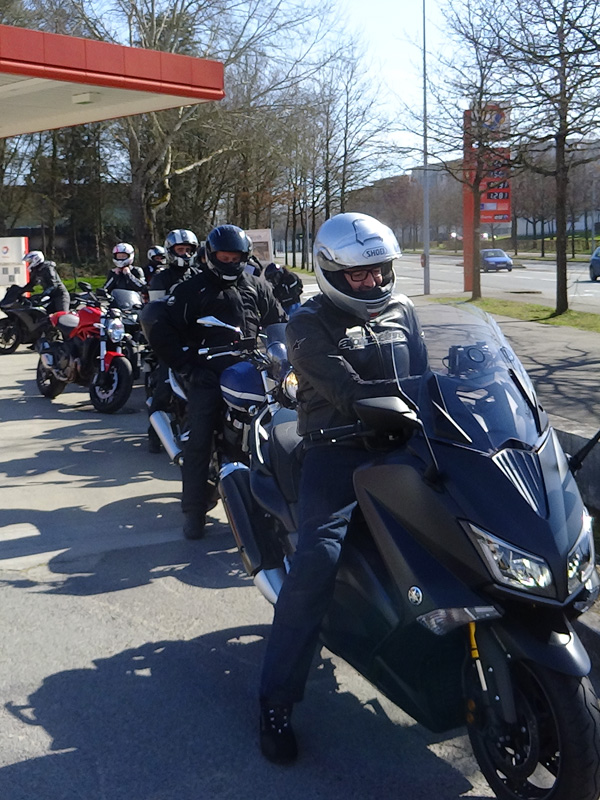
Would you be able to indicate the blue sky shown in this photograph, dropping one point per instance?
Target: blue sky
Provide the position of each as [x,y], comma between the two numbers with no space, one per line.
[393,32]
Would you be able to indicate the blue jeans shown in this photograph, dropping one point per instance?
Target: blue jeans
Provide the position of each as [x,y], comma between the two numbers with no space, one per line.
[326,502]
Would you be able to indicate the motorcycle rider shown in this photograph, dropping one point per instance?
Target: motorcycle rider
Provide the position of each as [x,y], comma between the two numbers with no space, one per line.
[124,275]
[44,273]
[287,287]
[157,259]
[181,247]
[224,291]
[328,342]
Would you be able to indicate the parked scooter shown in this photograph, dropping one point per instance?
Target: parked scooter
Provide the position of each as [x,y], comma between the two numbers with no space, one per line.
[469,555]
[26,319]
[83,347]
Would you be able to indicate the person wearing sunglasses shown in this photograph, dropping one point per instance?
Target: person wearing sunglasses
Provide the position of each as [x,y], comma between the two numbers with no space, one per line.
[347,343]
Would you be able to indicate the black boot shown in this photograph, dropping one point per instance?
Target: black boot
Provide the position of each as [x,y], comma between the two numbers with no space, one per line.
[193,526]
[277,739]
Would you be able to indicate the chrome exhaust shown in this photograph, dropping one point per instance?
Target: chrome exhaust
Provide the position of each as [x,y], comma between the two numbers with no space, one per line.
[162,425]
[269,582]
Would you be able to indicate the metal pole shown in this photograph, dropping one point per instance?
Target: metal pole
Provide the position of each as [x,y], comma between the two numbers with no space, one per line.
[426,286]
[593,213]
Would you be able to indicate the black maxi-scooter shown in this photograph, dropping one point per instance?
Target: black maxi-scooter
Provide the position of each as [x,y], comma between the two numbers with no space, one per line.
[469,556]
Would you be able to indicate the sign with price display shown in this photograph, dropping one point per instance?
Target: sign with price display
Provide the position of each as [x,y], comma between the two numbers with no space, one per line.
[495,188]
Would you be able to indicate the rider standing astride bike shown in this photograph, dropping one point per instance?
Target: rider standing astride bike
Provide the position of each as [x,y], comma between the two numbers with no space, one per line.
[124,275]
[181,247]
[345,344]
[44,273]
[226,292]
[287,287]
[157,259]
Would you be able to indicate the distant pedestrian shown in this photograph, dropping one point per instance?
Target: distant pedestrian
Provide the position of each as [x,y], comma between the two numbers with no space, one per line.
[287,287]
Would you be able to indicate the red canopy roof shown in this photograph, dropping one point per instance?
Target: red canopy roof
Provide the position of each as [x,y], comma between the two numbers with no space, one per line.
[52,81]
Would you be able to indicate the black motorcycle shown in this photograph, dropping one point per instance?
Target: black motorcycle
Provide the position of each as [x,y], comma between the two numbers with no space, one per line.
[25,321]
[469,555]
[130,304]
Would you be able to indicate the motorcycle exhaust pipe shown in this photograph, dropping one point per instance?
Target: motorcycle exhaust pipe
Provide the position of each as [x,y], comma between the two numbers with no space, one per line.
[162,425]
[269,582]
[246,519]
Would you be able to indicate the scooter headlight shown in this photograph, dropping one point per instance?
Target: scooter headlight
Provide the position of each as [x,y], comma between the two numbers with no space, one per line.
[115,330]
[290,385]
[582,557]
[512,566]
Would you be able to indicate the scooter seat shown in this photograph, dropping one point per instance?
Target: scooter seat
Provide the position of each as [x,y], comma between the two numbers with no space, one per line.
[286,456]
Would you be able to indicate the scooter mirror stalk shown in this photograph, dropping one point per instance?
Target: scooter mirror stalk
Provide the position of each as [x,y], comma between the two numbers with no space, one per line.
[213,322]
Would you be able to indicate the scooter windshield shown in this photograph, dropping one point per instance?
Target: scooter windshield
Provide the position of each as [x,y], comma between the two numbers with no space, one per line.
[475,390]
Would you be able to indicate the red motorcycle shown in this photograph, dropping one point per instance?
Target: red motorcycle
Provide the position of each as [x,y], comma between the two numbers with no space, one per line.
[83,346]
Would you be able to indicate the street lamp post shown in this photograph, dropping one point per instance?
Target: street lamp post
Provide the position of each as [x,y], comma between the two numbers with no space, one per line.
[426,283]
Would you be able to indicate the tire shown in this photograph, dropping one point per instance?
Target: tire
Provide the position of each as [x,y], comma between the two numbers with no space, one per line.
[593,276]
[115,393]
[48,384]
[10,337]
[553,752]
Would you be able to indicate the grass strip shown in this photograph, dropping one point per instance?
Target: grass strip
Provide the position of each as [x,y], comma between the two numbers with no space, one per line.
[531,312]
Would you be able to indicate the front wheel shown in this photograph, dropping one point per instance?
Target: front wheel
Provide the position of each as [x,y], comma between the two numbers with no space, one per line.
[593,276]
[10,337]
[553,750]
[48,384]
[110,391]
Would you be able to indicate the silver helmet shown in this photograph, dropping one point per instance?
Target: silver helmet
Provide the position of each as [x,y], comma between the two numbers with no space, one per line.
[353,241]
[181,236]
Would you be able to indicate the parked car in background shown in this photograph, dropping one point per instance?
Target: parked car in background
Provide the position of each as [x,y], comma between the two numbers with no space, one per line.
[595,265]
[495,259]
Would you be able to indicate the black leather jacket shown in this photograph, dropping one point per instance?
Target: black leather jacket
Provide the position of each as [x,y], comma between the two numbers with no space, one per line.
[133,282]
[165,279]
[339,359]
[175,336]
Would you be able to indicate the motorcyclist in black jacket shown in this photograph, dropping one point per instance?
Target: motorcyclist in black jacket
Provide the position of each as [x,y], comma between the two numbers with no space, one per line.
[181,248]
[124,274]
[345,344]
[224,291]
[44,273]
[157,259]
[287,287]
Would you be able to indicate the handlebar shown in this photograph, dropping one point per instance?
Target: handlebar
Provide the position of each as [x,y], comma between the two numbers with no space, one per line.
[234,349]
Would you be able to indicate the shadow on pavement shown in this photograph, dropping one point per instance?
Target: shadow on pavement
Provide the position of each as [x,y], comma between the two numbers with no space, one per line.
[178,721]
[109,550]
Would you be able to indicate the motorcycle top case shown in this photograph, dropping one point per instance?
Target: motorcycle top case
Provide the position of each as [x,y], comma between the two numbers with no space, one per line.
[242,386]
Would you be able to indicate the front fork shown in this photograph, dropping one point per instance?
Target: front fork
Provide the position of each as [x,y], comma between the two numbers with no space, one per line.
[491,663]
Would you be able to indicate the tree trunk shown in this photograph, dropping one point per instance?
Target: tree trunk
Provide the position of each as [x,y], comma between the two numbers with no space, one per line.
[562,181]
[543,238]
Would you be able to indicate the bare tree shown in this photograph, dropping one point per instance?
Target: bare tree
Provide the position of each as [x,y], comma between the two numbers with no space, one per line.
[549,49]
